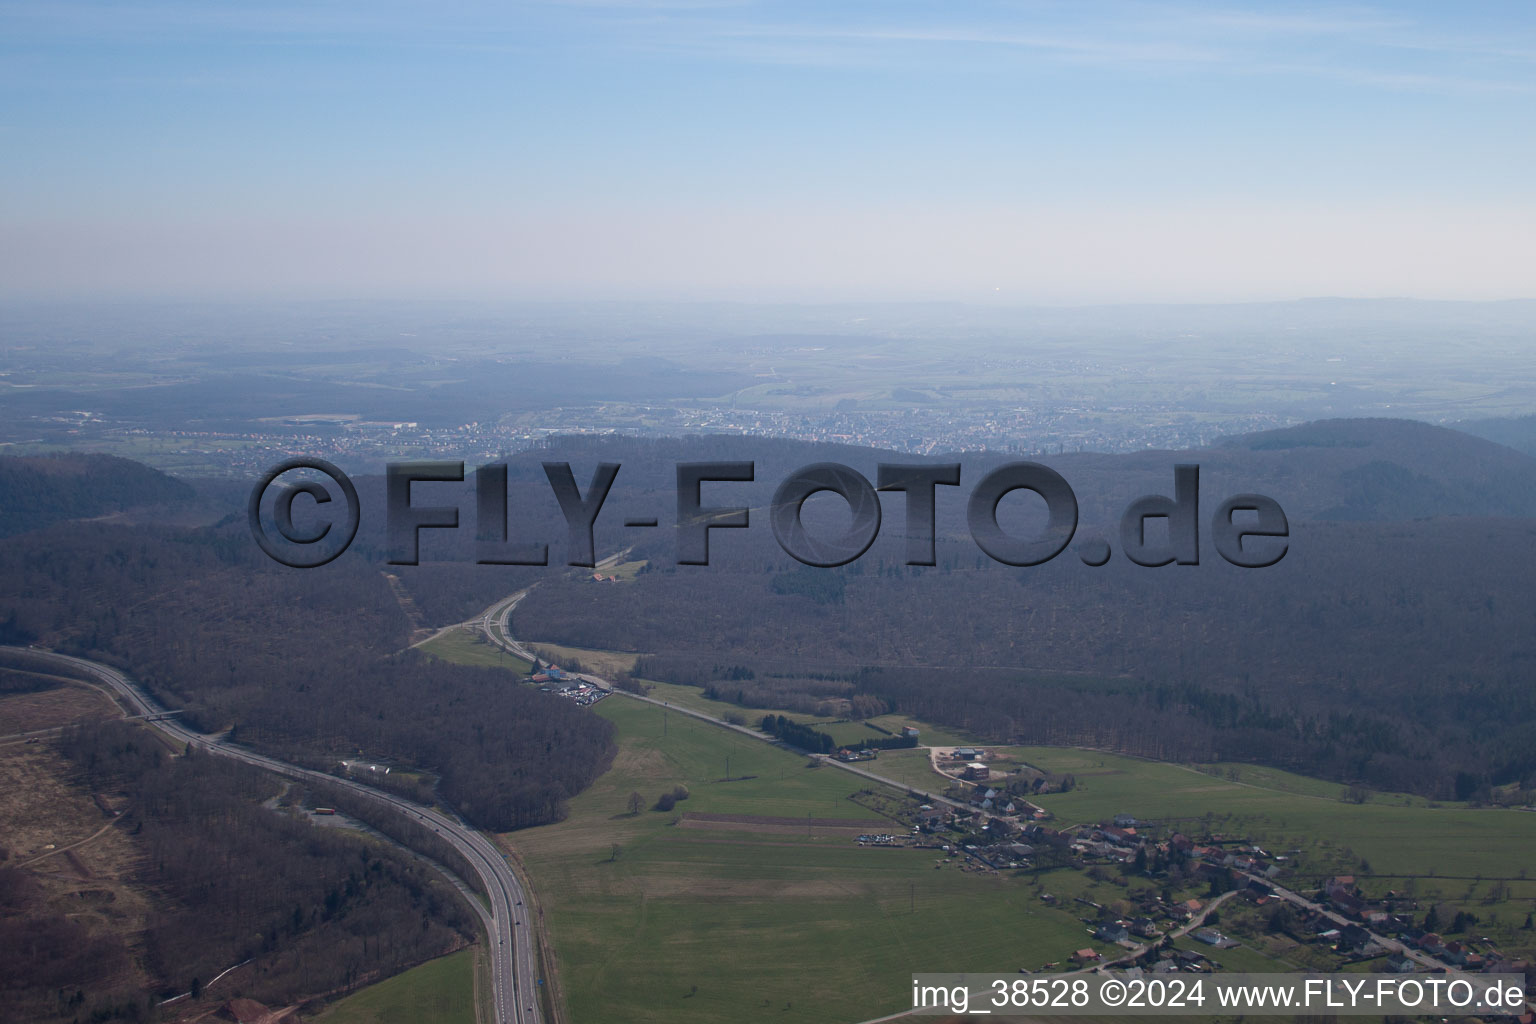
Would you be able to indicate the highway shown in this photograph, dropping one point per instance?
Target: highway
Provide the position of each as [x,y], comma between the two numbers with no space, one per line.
[514,970]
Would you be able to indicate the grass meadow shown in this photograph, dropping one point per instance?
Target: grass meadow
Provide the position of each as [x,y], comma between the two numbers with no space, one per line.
[656,918]
[465,647]
[706,924]
[440,991]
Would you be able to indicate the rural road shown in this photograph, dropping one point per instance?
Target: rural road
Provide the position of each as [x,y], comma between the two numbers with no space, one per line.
[514,971]
[493,623]
[1418,956]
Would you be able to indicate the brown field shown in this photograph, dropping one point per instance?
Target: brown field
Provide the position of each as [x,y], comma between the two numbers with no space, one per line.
[63,838]
[39,805]
[49,709]
[83,876]
[603,663]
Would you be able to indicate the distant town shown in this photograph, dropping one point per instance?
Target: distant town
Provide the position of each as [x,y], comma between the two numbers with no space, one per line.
[356,443]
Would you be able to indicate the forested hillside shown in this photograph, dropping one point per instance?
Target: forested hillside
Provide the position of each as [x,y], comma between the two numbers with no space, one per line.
[41,490]
[1518,432]
[315,910]
[1392,645]
[311,666]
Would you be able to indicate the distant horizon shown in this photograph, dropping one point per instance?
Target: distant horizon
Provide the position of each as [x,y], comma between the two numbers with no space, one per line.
[978,302]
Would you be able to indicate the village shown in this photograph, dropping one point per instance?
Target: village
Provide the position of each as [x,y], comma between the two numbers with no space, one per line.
[1181,902]
[1153,896]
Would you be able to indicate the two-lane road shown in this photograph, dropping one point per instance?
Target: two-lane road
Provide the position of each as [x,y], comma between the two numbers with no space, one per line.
[494,623]
[514,969]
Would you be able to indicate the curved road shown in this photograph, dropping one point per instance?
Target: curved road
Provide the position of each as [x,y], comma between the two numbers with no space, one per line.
[513,967]
[493,622]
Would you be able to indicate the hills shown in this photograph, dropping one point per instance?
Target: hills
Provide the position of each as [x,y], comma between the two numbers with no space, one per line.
[1385,470]
[1518,432]
[41,490]
[1390,646]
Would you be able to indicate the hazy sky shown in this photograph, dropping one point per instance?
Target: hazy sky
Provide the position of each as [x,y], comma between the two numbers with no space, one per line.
[1026,152]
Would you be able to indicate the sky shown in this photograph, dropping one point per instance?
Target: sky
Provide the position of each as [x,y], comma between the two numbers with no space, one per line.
[1018,152]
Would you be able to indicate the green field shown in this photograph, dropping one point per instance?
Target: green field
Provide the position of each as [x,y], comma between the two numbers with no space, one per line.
[464,646]
[910,768]
[1450,853]
[841,731]
[1393,836]
[693,698]
[855,733]
[1242,959]
[708,924]
[440,991]
[624,570]
[654,918]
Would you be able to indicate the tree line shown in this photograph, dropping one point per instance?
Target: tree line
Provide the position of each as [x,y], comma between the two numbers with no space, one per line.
[1340,661]
[316,909]
[797,735]
[311,666]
